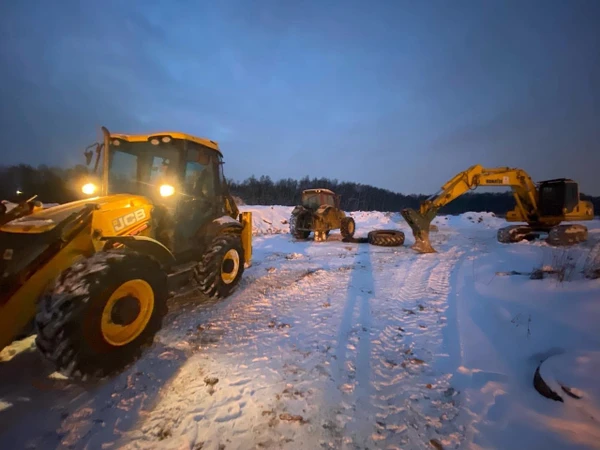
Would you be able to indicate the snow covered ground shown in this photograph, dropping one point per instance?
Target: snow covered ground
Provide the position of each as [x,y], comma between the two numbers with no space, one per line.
[337,345]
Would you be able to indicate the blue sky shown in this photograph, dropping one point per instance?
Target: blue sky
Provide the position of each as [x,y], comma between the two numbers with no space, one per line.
[398,94]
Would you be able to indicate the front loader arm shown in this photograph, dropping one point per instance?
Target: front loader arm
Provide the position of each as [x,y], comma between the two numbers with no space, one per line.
[523,188]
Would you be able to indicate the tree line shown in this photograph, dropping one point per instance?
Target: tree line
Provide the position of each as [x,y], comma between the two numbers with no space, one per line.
[362,197]
[60,185]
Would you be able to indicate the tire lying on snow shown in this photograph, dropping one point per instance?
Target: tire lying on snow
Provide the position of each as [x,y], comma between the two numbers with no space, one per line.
[101,313]
[386,238]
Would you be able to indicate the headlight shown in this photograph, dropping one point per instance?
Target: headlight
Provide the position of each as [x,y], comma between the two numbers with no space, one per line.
[88,188]
[166,190]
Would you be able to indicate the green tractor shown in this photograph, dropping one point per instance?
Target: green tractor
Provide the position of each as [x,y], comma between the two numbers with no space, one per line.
[320,213]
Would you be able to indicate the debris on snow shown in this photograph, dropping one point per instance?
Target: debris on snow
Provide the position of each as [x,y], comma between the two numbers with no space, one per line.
[211,381]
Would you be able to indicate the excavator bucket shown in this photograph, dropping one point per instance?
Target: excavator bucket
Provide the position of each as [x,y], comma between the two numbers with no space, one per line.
[420,225]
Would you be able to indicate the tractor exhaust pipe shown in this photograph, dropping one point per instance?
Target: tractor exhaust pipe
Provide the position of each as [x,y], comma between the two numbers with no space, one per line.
[420,225]
[105,160]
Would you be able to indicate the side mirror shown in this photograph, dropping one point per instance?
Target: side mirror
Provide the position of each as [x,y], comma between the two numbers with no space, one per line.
[89,153]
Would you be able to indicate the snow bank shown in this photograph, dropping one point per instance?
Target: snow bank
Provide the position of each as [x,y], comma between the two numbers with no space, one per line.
[471,219]
[275,220]
[269,219]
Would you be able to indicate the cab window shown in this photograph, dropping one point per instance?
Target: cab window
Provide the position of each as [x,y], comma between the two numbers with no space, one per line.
[199,173]
[328,200]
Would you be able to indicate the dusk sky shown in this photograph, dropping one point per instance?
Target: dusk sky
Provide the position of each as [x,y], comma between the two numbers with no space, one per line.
[397,94]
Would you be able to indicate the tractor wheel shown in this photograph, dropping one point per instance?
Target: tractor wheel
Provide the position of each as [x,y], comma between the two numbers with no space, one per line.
[101,313]
[347,227]
[562,235]
[386,238]
[220,270]
[515,233]
[298,234]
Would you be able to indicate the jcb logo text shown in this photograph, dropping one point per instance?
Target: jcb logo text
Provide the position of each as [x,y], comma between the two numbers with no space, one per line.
[128,219]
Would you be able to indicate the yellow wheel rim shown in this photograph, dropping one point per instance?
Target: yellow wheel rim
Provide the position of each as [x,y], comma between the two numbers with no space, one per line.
[351,227]
[121,334]
[230,266]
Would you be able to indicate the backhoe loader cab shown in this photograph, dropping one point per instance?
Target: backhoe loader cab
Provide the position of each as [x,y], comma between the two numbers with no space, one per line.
[94,275]
[183,177]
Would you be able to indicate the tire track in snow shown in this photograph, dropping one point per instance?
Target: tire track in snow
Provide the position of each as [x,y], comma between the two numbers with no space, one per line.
[348,346]
[411,406]
[267,361]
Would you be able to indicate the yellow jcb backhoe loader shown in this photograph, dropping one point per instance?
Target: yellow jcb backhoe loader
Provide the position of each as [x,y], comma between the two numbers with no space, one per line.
[543,207]
[93,276]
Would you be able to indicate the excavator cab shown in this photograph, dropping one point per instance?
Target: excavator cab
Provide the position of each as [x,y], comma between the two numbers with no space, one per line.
[557,197]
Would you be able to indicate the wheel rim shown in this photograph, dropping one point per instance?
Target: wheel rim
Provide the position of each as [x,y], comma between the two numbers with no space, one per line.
[131,294]
[351,227]
[230,266]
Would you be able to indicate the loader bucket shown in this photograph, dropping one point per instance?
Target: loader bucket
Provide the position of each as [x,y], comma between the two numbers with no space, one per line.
[420,224]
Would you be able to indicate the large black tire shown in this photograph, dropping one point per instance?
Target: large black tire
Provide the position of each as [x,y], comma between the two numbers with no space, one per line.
[69,317]
[347,227]
[386,238]
[298,234]
[220,270]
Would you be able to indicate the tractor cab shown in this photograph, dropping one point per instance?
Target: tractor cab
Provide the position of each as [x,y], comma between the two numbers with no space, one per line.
[313,198]
[557,197]
[164,166]
[182,175]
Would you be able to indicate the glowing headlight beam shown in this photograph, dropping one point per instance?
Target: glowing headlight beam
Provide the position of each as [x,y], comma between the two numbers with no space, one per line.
[88,188]
[166,190]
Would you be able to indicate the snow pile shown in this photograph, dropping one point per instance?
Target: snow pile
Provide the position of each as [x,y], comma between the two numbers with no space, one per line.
[275,220]
[269,219]
[471,219]
[369,220]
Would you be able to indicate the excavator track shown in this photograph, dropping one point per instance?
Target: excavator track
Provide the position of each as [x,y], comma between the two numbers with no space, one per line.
[562,235]
[516,233]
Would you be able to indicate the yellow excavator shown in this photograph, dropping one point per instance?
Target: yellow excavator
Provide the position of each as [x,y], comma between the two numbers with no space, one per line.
[542,206]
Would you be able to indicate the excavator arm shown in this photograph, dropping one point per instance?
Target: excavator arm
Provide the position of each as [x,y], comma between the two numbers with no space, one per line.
[524,191]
